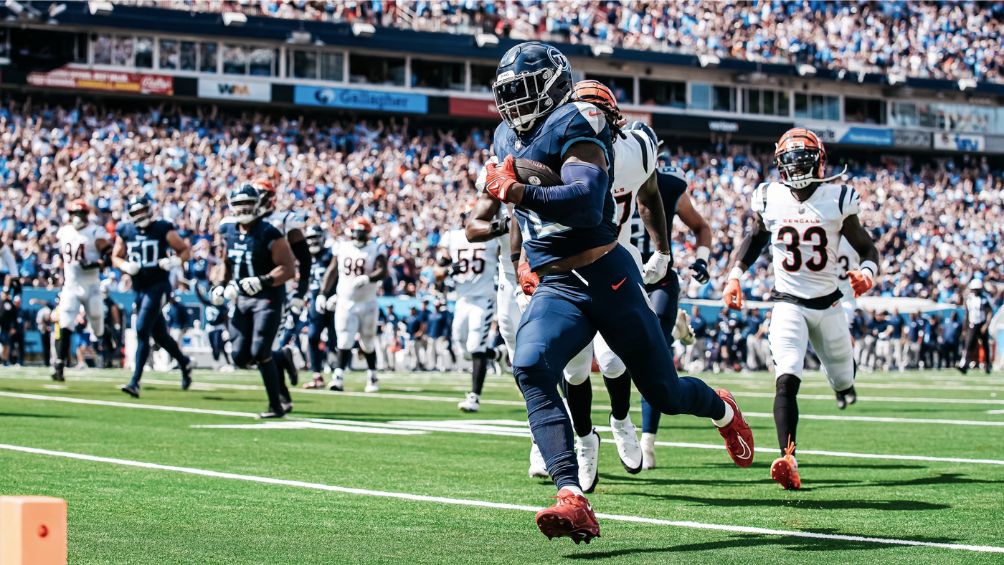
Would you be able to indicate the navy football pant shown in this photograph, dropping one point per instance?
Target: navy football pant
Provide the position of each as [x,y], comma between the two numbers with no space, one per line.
[150,323]
[565,313]
[253,326]
[316,324]
[665,298]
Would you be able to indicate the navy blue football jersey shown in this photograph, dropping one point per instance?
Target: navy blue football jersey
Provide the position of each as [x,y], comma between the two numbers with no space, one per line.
[198,269]
[250,254]
[146,246]
[672,185]
[318,267]
[544,239]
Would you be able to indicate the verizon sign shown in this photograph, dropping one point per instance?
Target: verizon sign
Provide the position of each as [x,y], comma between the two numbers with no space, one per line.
[235,90]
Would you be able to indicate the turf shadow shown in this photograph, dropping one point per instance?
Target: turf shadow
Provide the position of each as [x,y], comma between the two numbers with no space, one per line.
[620,479]
[27,415]
[885,505]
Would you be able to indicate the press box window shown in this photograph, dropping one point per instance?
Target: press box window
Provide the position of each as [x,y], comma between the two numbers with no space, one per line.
[369,69]
[437,74]
[864,110]
[662,93]
[817,107]
[765,101]
[482,77]
[712,97]
[622,87]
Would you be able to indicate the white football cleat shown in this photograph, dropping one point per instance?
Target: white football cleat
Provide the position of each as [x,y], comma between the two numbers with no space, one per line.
[647,451]
[588,457]
[538,469]
[626,440]
[472,403]
[371,385]
[337,384]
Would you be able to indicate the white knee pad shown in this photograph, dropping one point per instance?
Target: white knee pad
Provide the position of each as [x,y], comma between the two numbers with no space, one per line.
[610,364]
[578,369]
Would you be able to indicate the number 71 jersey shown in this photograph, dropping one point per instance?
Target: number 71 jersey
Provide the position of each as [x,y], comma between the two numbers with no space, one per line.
[476,264]
[804,236]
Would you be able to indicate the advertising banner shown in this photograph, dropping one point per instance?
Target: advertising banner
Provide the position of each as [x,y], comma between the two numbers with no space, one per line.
[108,81]
[702,124]
[911,138]
[959,142]
[235,90]
[473,108]
[357,99]
[830,132]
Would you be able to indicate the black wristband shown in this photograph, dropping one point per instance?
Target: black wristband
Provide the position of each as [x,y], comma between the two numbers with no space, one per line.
[499,226]
[266,280]
[514,256]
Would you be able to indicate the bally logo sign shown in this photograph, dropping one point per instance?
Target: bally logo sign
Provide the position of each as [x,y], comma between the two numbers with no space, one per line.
[235,90]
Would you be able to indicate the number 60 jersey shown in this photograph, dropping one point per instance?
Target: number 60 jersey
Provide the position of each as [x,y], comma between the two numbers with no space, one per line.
[804,236]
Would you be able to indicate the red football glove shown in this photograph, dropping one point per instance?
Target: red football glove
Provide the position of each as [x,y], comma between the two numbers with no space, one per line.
[528,280]
[733,295]
[499,180]
[861,281]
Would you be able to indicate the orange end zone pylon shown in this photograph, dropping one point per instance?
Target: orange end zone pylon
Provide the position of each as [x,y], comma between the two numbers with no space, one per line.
[32,530]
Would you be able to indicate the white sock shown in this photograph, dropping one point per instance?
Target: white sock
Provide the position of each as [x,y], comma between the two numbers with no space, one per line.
[573,490]
[338,373]
[727,418]
[371,374]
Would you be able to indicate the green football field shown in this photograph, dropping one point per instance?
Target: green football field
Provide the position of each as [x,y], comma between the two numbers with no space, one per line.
[913,473]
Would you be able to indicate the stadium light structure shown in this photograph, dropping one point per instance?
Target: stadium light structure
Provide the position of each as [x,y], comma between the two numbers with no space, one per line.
[14,6]
[806,70]
[601,50]
[362,29]
[708,60]
[966,84]
[100,7]
[234,19]
[56,9]
[486,40]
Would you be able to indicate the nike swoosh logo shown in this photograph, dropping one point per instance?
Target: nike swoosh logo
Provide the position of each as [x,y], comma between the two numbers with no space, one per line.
[747,452]
[617,286]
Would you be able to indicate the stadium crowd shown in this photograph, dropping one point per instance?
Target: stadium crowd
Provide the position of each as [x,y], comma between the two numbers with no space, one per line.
[945,40]
[937,222]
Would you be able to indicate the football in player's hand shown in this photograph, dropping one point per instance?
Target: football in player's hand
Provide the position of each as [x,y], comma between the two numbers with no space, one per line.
[533,172]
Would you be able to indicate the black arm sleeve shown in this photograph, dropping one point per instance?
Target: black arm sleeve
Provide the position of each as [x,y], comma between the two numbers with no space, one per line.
[303,260]
[752,246]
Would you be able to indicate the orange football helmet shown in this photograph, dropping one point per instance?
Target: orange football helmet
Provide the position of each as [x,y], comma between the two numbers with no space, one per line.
[596,93]
[800,158]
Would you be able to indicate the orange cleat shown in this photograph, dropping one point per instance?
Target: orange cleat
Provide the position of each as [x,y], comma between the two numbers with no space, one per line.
[738,435]
[784,470]
[571,516]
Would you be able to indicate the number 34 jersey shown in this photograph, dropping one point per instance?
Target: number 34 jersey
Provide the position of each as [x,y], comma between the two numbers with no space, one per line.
[355,262]
[804,236]
[78,248]
[476,265]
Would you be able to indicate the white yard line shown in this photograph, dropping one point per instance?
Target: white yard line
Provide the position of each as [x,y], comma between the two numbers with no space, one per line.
[500,505]
[506,428]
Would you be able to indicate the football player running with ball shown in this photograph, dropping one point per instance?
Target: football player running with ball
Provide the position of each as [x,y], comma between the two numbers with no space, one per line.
[588,282]
[802,218]
[141,251]
[257,265]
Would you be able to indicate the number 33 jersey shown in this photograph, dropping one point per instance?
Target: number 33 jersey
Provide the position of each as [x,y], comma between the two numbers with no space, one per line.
[355,262]
[476,265]
[804,236]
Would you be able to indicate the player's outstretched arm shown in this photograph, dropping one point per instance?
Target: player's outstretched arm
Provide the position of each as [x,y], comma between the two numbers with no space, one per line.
[702,231]
[750,248]
[180,245]
[285,266]
[653,214]
[483,225]
[379,272]
[863,278]
[330,276]
[301,252]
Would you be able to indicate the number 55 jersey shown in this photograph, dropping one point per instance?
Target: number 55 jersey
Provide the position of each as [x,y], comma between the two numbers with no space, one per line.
[474,275]
[804,237]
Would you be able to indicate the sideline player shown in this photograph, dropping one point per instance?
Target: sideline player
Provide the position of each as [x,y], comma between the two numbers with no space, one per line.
[634,187]
[81,247]
[257,264]
[357,266]
[665,294]
[588,282]
[141,251]
[802,218]
[473,269]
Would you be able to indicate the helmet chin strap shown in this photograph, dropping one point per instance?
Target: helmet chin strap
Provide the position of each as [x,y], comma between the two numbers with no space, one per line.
[809,182]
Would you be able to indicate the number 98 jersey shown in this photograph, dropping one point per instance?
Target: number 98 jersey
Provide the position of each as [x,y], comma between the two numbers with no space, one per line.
[354,262]
[476,264]
[804,235]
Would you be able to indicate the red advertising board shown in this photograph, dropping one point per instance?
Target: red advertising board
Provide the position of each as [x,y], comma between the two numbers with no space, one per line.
[473,108]
[109,81]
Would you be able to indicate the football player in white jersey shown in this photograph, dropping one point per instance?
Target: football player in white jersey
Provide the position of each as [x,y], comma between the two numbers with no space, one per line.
[358,265]
[81,248]
[634,185]
[473,269]
[802,218]
[849,260]
[491,220]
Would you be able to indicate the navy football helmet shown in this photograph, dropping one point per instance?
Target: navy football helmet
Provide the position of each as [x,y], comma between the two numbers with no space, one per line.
[532,80]
[243,202]
[138,211]
[314,237]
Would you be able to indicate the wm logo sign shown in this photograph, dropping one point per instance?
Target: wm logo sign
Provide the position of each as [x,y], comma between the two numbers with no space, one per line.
[227,89]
